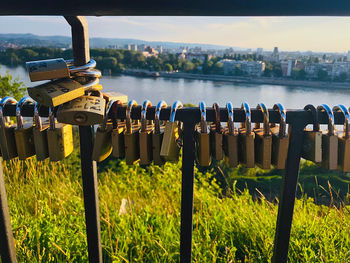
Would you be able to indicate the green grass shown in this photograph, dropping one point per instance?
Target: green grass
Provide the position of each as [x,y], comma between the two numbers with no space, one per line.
[47,215]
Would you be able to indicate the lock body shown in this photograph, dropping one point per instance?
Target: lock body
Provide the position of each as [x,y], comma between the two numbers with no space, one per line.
[118,142]
[312,146]
[40,142]
[25,141]
[246,148]
[216,145]
[103,143]
[85,110]
[47,69]
[203,148]
[170,149]
[60,141]
[132,153]
[56,92]
[344,154]
[330,151]
[263,148]
[230,146]
[8,142]
[145,139]
[280,147]
[157,139]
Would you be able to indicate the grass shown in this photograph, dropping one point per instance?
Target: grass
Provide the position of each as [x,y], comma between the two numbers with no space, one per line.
[47,214]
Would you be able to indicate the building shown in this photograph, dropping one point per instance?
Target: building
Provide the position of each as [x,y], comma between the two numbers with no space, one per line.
[150,52]
[259,51]
[159,49]
[141,47]
[127,47]
[275,55]
[200,57]
[133,47]
[287,67]
[340,68]
[313,69]
[250,68]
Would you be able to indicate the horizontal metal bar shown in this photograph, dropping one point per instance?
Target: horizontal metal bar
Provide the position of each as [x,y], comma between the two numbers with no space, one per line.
[194,114]
[178,7]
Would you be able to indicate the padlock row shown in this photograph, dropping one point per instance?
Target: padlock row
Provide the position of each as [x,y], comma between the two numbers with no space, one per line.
[24,140]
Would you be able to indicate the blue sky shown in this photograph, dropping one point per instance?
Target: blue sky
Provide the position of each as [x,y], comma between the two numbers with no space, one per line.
[288,33]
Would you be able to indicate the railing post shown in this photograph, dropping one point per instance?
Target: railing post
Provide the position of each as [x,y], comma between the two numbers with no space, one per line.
[187,191]
[288,192]
[80,41]
[7,244]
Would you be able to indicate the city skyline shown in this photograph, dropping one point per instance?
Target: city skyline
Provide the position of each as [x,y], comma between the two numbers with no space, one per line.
[318,34]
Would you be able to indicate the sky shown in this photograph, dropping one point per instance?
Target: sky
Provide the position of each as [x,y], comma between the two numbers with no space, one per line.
[324,34]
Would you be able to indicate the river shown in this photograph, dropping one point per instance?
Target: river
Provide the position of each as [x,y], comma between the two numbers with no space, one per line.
[193,91]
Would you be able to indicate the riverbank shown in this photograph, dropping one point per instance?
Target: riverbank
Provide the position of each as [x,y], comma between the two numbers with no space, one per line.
[259,81]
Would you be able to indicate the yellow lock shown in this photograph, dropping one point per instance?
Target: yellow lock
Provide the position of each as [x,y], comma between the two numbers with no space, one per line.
[60,139]
[131,136]
[7,135]
[103,137]
[157,135]
[24,132]
[171,140]
[40,135]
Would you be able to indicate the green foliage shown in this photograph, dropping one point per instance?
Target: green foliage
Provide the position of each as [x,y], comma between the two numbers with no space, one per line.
[11,87]
[140,216]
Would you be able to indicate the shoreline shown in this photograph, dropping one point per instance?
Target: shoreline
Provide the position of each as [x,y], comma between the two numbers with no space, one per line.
[259,81]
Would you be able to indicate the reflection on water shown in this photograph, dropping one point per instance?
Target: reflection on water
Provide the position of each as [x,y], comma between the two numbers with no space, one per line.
[193,91]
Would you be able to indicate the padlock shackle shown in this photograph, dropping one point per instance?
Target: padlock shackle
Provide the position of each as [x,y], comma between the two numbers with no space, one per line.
[341,108]
[89,74]
[36,117]
[248,120]
[109,108]
[22,101]
[90,85]
[75,69]
[145,105]
[177,105]
[203,124]
[128,123]
[283,125]
[3,102]
[230,119]
[327,109]
[217,118]
[52,121]
[316,126]
[161,105]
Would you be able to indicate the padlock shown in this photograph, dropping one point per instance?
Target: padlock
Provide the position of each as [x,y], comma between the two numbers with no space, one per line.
[343,141]
[145,136]
[7,134]
[329,141]
[280,139]
[202,139]
[263,140]
[216,136]
[56,68]
[312,139]
[246,139]
[230,138]
[118,133]
[85,110]
[24,132]
[172,135]
[157,135]
[40,135]
[60,139]
[116,96]
[103,137]
[131,136]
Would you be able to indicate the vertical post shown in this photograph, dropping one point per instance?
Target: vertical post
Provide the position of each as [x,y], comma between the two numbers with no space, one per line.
[80,41]
[7,244]
[187,191]
[288,192]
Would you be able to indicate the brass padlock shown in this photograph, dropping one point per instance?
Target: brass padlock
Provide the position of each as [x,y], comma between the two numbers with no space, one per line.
[145,136]
[171,145]
[85,110]
[280,139]
[7,134]
[312,139]
[131,136]
[60,139]
[246,139]
[329,141]
[118,133]
[157,135]
[40,136]
[24,132]
[202,139]
[263,140]
[103,137]
[230,139]
[343,141]
[216,136]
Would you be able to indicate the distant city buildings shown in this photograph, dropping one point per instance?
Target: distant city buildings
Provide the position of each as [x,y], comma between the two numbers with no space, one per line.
[275,55]
[251,68]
